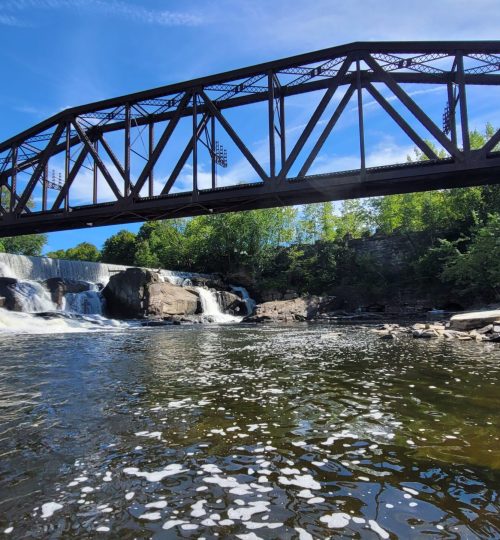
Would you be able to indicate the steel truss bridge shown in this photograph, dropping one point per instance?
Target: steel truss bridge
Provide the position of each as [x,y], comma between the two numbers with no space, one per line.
[158,154]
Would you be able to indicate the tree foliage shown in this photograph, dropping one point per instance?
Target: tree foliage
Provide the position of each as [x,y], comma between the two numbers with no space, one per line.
[84,251]
[119,248]
[30,244]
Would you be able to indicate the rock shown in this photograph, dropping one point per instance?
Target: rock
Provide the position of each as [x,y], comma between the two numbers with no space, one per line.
[231,303]
[164,299]
[2,301]
[299,309]
[425,334]
[485,329]
[7,291]
[137,292]
[387,336]
[290,295]
[473,320]
[58,287]
[125,292]
[269,295]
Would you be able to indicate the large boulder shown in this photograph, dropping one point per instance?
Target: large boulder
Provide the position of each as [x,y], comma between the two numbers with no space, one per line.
[165,300]
[58,287]
[137,293]
[231,303]
[474,319]
[8,292]
[298,309]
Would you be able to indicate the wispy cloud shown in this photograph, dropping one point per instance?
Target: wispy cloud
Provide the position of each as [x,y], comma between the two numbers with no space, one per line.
[112,8]
[10,20]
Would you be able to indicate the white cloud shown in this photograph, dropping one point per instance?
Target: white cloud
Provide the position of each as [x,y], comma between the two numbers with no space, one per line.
[115,8]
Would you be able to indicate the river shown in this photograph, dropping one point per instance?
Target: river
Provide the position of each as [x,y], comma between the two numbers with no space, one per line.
[236,431]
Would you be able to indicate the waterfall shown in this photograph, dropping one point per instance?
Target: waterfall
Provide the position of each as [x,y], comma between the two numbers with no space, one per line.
[29,294]
[33,297]
[249,302]
[211,309]
[86,302]
[24,267]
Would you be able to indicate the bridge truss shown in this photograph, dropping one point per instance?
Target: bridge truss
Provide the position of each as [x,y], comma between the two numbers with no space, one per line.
[165,152]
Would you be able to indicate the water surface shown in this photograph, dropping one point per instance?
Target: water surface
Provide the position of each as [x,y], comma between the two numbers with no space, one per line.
[248,432]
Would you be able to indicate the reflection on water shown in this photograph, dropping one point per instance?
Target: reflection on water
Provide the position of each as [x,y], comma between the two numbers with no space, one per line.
[244,432]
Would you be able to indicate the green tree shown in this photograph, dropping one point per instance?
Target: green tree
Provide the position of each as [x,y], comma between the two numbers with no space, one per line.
[119,248]
[477,269]
[82,252]
[30,244]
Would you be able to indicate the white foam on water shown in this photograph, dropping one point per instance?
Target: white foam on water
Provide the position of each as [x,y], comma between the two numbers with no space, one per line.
[376,528]
[244,513]
[171,523]
[49,508]
[305,481]
[156,476]
[151,516]
[339,520]
[303,534]
[15,322]
[157,504]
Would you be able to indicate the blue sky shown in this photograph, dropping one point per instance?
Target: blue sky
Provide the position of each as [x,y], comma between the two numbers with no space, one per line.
[61,53]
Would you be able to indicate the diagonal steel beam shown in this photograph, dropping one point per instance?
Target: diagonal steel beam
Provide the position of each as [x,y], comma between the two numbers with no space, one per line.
[112,155]
[414,108]
[320,109]
[234,136]
[71,177]
[185,155]
[44,158]
[98,160]
[160,145]
[326,131]
[490,144]
[401,122]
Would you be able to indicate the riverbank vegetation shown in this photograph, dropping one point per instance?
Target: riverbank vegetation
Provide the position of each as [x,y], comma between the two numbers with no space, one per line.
[451,247]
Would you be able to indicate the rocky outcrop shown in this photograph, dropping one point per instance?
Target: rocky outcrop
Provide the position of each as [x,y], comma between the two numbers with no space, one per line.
[440,330]
[137,293]
[474,320]
[166,300]
[58,287]
[231,303]
[297,309]
[7,291]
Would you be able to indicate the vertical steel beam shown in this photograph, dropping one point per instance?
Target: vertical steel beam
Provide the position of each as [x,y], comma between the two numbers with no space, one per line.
[45,177]
[270,103]
[282,130]
[212,151]
[195,144]
[360,119]
[127,150]
[95,173]
[451,108]
[150,153]
[463,104]
[67,163]
[13,185]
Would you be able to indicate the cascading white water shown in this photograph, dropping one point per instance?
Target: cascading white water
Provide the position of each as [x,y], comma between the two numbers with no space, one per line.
[33,297]
[87,306]
[211,309]
[86,302]
[249,302]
